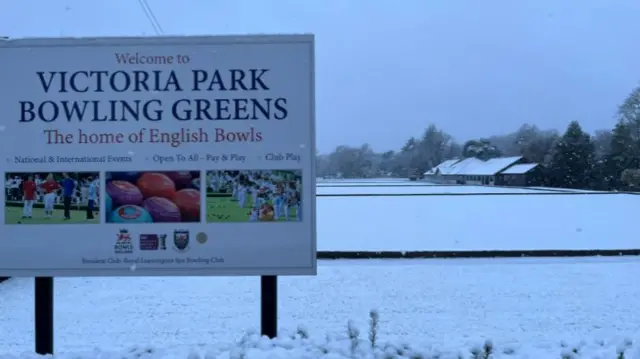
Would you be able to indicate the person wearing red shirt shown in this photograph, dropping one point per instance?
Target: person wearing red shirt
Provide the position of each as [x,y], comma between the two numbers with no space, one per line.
[50,186]
[29,194]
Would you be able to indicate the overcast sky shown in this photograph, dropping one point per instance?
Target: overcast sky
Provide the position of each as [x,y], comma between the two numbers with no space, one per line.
[385,69]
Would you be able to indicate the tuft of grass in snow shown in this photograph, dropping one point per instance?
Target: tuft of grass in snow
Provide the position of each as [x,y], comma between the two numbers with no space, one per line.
[374,318]
[299,344]
[484,352]
[353,333]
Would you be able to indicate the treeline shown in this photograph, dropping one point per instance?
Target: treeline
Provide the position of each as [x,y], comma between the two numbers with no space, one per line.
[606,160]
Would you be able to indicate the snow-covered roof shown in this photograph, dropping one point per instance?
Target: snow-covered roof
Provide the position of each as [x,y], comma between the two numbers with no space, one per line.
[443,165]
[519,169]
[492,166]
[449,163]
[463,167]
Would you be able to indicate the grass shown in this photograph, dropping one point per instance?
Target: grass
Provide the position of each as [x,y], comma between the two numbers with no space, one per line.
[226,209]
[13,215]
[359,347]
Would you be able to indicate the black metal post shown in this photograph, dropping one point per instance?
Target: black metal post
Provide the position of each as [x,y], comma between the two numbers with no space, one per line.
[44,315]
[269,305]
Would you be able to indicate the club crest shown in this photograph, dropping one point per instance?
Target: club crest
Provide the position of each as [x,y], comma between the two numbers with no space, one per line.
[181,240]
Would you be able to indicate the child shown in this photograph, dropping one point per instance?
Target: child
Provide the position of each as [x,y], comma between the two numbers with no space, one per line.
[29,191]
[50,186]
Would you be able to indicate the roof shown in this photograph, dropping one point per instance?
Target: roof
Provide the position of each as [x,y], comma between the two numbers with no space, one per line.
[520,169]
[492,166]
[463,167]
[443,166]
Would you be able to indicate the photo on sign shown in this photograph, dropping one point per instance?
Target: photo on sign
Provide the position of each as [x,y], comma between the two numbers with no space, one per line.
[52,198]
[254,196]
[152,197]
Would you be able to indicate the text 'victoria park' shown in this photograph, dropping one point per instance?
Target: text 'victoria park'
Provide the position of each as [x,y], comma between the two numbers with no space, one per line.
[152,108]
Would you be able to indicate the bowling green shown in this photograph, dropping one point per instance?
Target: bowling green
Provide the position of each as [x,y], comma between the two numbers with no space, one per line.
[226,209]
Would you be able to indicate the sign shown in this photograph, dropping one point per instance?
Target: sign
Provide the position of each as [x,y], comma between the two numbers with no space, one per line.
[158,156]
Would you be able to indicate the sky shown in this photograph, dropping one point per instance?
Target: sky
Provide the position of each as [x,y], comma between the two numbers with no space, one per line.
[387,69]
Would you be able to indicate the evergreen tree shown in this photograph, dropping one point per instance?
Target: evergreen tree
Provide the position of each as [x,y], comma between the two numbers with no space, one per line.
[573,159]
[621,155]
[629,114]
[481,149]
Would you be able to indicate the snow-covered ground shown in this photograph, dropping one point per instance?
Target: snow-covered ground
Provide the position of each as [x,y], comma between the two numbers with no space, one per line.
[449,305]
[366,181]
[564,189]
[529,308]
[601,221]
[421,189]
[369,182]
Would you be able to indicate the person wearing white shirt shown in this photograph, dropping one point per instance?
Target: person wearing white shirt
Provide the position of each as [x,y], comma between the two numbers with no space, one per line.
[84,192]
[254,215]
[38,182]
[14,189]
[92,197]
[242,195]
[254,194]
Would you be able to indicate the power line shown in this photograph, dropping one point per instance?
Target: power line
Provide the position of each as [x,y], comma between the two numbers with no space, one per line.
[148,12]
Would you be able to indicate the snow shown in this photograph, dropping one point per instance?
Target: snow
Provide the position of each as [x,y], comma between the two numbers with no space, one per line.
[320,182]
[463,167]
[522,304]
[492,166]
[519,169]
[564,189]
[598,221]
[296,346]
[388,183]
[428,189]
[442,167]
[527,307]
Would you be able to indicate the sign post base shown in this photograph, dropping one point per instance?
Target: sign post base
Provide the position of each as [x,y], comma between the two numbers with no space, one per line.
[269,306]
[44,315]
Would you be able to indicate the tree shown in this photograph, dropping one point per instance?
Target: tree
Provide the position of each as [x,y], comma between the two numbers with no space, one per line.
[629,114]
[573,159]
[621,156]
[481,149]
[432,148]
[602,142]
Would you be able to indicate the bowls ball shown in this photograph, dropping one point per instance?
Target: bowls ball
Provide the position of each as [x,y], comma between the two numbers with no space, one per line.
[130,214]
[123,192]
[188,200]
[162,210]
[181,179]
[156,184]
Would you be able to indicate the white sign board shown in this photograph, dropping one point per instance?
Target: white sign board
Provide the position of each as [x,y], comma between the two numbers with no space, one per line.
[158,156]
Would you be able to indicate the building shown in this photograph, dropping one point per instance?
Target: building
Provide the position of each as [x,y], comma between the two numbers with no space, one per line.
[492,172]
[437,170]
[486,173]
[522,175]
[452,171]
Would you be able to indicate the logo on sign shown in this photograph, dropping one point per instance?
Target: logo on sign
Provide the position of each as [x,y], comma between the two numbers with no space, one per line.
[153,242]
[123,242]
[201,238]
[181,240]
